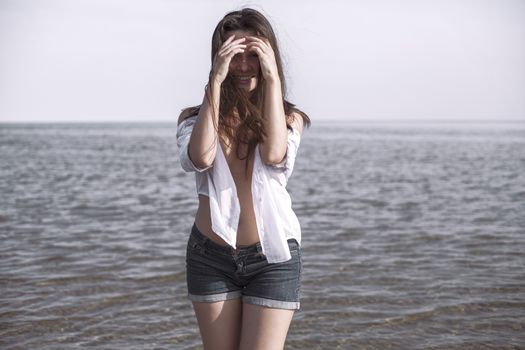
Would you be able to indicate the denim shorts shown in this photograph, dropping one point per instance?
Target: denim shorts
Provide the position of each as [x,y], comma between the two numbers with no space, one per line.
[217,273]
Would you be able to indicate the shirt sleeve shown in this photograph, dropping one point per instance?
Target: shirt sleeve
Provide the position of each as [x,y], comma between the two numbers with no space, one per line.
[184,130]
[287,164]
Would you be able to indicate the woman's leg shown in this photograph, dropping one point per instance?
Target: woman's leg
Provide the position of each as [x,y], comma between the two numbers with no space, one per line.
[264,328]
[219,323]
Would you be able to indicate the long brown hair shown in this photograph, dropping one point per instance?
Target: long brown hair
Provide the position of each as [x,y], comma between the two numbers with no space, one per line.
[250,108]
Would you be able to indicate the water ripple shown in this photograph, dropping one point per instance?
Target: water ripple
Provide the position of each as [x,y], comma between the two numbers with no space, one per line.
[413,237]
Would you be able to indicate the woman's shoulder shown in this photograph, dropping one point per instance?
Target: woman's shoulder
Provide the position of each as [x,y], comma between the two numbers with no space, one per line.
[187,113]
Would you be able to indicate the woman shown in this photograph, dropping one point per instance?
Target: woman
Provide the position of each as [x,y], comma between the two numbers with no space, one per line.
[243,257]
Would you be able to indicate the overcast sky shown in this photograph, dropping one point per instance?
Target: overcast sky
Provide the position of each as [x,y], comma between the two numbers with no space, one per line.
[129,60]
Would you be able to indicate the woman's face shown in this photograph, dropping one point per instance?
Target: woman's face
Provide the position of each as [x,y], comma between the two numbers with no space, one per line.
[244,67]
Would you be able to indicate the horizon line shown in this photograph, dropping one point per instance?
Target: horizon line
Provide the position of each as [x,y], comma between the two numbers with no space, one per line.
[314,121]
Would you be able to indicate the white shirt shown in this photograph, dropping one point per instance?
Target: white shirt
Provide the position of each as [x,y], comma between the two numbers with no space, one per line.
[276,221]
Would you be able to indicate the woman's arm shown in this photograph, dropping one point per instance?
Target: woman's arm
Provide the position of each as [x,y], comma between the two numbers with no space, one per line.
[273,147]
[203,141]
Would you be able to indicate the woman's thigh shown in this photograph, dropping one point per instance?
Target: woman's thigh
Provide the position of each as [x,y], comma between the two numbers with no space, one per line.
[264,328]
[219,323]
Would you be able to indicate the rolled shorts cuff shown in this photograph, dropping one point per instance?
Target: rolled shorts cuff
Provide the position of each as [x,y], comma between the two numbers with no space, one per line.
[210,298]
[271,303]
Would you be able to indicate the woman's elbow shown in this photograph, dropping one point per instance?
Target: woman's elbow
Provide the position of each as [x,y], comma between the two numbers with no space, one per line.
[202,161]
[273,158]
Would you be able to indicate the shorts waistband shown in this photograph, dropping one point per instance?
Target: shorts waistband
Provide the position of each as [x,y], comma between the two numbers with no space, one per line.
[229,250]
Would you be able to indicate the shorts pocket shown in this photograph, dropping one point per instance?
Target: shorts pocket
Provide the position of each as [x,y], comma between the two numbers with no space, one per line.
[194,246]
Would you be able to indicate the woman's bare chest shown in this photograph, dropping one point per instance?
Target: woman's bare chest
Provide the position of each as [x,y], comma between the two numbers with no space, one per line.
[236,159]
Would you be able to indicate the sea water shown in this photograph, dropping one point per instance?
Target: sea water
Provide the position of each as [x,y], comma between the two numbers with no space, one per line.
[413,237]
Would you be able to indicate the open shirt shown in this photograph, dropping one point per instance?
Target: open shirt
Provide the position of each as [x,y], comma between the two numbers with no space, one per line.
[276,221]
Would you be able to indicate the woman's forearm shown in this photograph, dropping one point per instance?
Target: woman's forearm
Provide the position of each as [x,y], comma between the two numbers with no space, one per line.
[203,141]
[273,148]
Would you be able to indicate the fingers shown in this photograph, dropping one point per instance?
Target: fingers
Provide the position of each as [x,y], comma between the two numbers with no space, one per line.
[230,46]
[223,57]
[229,40]
[263,49]
[229,51]
[255,38]
[259,51]
[258,45]
[261,41]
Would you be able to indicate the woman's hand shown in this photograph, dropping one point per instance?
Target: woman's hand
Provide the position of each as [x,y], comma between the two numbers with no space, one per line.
[264,51]
[221,62]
